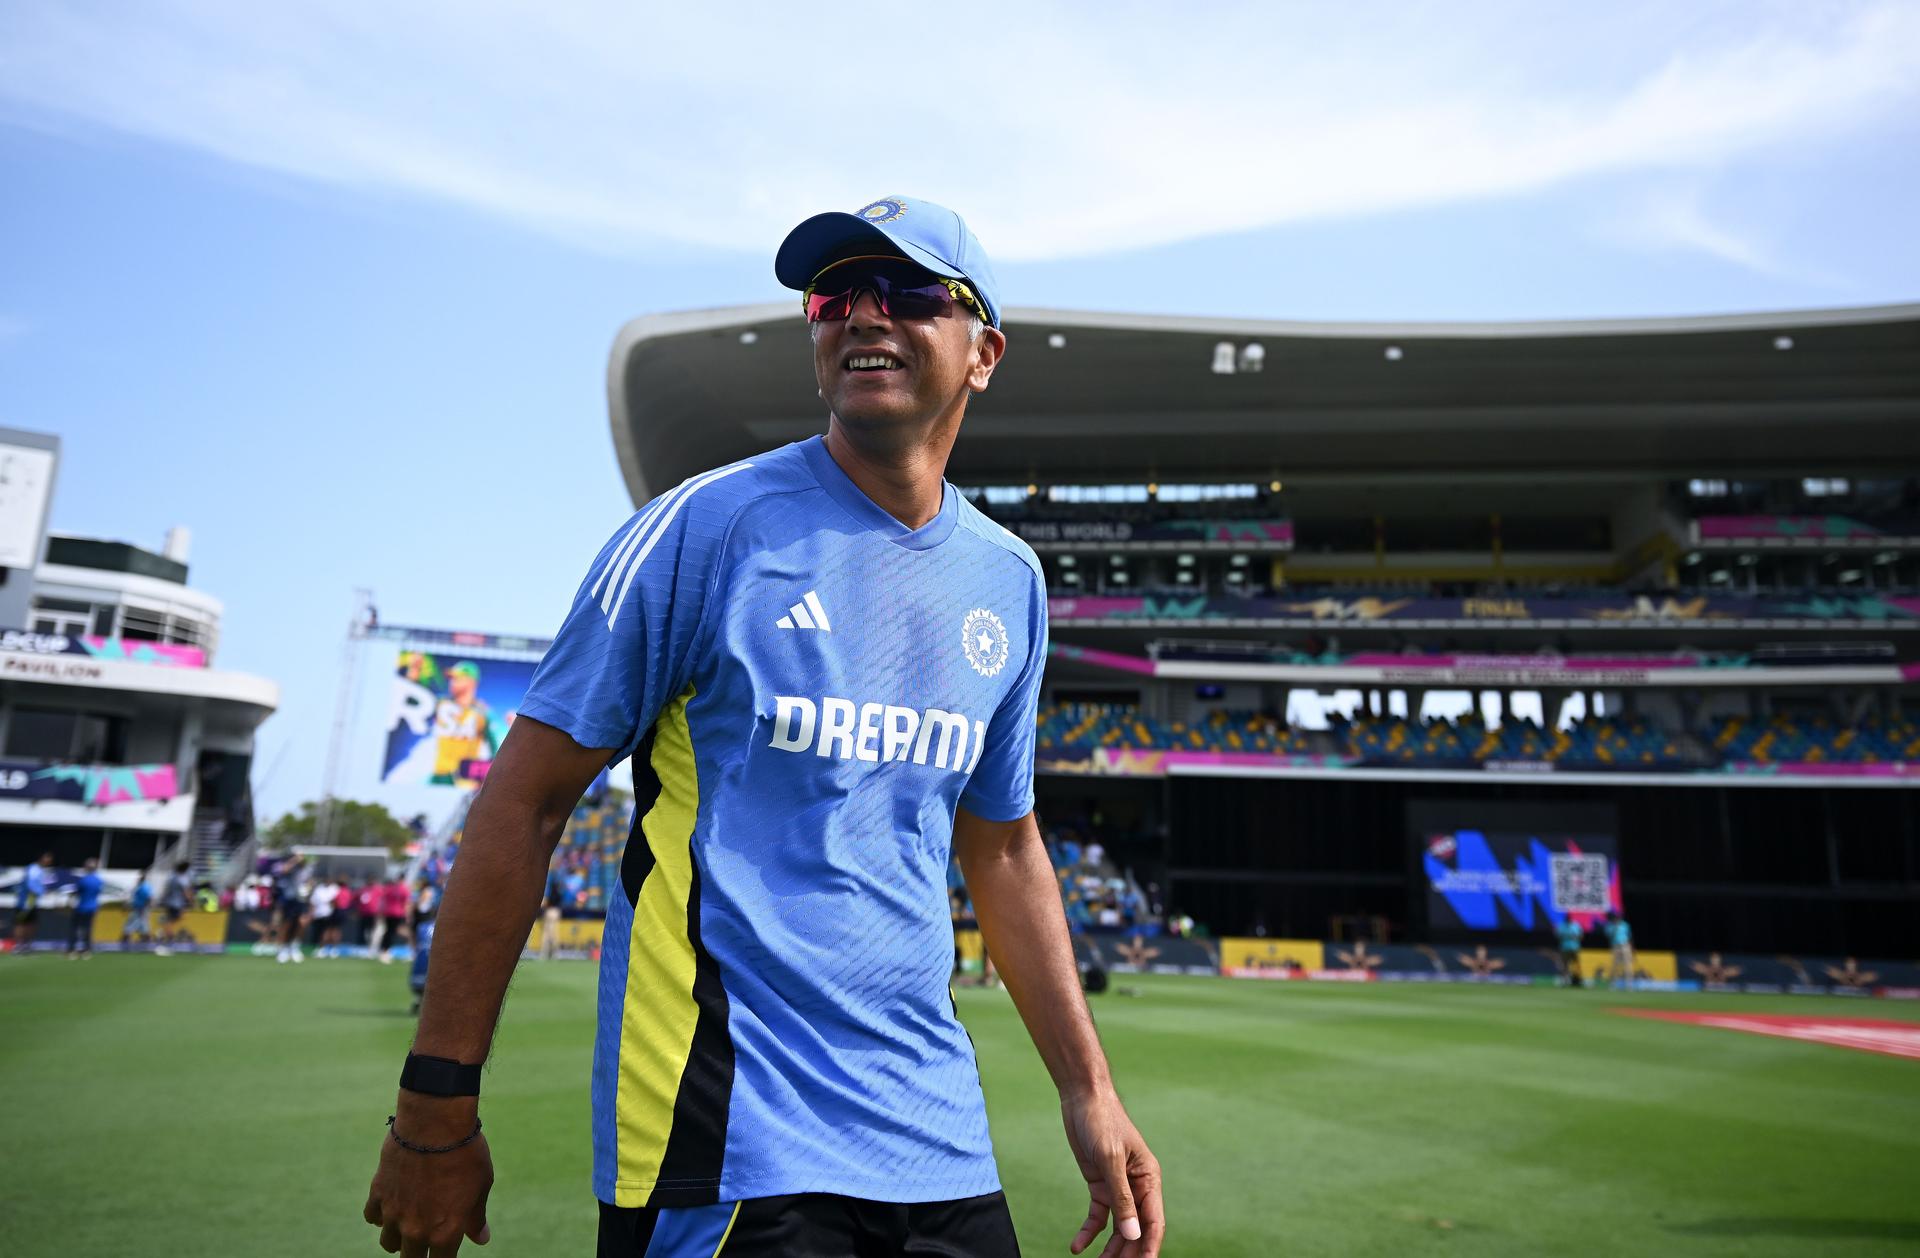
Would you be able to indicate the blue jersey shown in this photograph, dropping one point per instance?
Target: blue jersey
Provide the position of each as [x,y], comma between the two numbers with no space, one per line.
[808,689]
[88,893]
[1569,932]
[1619,934]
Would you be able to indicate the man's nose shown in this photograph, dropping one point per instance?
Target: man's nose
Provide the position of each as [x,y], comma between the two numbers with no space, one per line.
[865,311]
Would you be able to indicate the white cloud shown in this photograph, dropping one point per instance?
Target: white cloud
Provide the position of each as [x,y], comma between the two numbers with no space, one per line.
[1058,129]
[1677,218]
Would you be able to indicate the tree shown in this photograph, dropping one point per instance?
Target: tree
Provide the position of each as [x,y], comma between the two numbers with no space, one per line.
[355,824]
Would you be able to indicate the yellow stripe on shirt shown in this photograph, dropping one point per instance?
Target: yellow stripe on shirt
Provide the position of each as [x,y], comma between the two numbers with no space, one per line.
[658,1021]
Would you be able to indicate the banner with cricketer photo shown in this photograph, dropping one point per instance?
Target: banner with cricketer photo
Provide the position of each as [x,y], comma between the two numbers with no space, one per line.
[448,715]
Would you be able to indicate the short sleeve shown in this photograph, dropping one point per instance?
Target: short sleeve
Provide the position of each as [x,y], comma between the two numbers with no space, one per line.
[628,645]
[1001,788]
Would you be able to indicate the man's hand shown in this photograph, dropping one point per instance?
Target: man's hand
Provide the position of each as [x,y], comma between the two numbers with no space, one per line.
[425,1203]
[1123,1178]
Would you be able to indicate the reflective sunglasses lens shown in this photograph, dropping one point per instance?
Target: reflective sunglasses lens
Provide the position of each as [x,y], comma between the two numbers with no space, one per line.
[921,301]
[826,307]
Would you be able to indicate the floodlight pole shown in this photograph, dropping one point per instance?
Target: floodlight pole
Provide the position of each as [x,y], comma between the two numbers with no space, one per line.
[357,629]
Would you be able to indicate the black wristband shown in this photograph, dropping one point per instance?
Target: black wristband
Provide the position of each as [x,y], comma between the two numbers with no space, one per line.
[439,1076]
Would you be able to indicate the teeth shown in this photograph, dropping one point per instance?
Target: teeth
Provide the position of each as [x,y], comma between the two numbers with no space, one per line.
[871,360]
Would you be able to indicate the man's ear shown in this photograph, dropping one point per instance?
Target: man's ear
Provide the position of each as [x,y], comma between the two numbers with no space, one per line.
[988,350]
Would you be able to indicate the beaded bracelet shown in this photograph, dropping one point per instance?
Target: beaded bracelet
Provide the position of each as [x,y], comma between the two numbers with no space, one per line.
[431,1148]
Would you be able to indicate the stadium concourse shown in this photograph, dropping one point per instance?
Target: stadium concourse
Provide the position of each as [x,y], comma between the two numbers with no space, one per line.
[1384,650]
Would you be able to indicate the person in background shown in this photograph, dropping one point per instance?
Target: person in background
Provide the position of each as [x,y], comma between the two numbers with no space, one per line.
[320,905]
[139,914]
[421,908]
[173,907]
[394,902]
[34,880]
[961,914]
[1620,935]
[367,905]
[422,928]
[342,916]
[1569,933]
[86,903]
[551,898]
[292,906]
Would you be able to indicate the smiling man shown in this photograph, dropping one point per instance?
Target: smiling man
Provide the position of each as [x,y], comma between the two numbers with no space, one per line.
[825,666]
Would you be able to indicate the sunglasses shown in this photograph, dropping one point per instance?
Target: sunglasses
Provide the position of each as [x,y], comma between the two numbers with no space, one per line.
[904,291]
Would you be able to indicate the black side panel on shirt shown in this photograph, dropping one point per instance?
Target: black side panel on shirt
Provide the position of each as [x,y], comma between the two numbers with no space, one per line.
[690,1168]
[637,861]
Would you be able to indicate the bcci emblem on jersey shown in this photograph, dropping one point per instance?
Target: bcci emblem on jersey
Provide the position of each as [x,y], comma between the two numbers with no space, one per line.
[984,638]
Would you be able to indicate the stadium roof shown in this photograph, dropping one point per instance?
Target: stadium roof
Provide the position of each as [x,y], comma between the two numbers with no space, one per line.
[1127,395]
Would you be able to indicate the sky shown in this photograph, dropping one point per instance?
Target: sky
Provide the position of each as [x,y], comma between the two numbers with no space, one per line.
[334,284]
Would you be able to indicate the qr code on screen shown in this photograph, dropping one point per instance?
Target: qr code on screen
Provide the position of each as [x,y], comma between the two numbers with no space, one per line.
[1579,883]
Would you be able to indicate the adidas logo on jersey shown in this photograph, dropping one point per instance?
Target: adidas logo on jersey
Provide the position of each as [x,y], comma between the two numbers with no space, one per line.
[806,614]
[840,729]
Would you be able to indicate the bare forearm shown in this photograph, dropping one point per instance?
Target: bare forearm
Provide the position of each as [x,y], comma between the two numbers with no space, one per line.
[484,920]
[1017,902]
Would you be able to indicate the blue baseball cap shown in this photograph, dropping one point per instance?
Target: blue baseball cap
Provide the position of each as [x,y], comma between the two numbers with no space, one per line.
[920,231]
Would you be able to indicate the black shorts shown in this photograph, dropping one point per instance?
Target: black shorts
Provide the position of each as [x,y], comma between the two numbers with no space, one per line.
[173,915]
[28,913]
[812,1225]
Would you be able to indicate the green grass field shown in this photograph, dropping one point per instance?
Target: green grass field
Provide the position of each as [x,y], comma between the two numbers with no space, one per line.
[228,1106]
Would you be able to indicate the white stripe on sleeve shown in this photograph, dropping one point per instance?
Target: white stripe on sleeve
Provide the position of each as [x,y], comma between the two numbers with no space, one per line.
[659,531]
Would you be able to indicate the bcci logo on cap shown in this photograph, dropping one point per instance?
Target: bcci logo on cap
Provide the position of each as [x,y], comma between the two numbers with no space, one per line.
[984,638]
[885,210]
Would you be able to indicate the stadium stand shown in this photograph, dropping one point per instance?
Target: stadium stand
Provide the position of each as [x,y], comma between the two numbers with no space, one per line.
[1083,726]
[1791,739]
[1593,741]
[589,852]
[1622,742]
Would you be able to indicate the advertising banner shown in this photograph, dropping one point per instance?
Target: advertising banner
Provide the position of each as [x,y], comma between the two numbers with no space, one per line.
[208,930]
[449,714]
[1126,762]
[99,784]
[1810,528]
[1491,866]
[1649,966]
[1744,972]
[1105,659]
[1245,534]
[1102,762]
[1517,670]
[1455,963]
[127,650]
[1621,610]
[571,934]
[1821,769]
[1140,953]
[1271,958]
